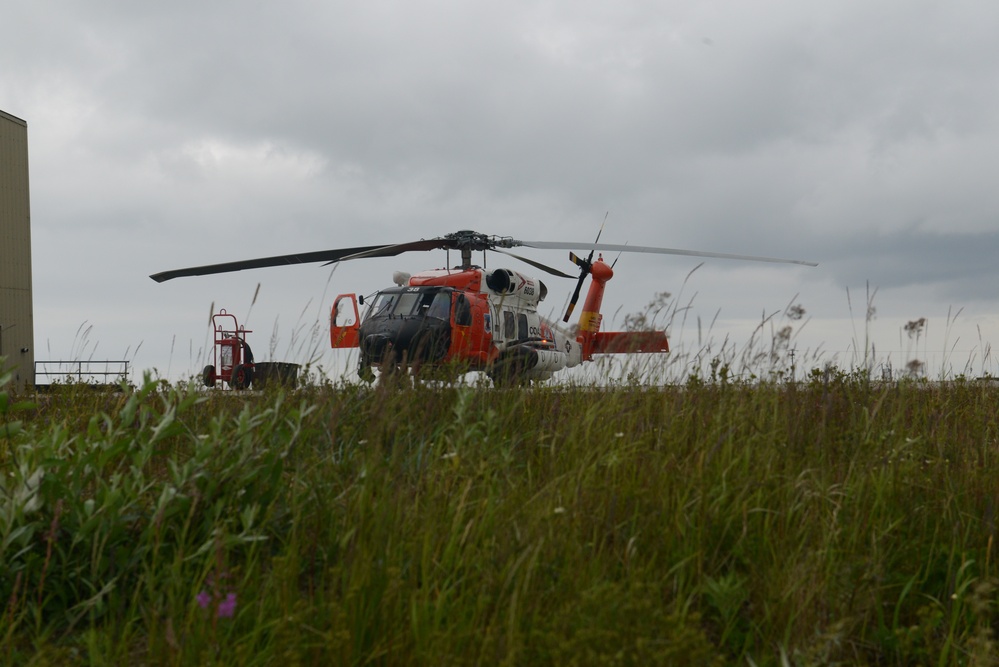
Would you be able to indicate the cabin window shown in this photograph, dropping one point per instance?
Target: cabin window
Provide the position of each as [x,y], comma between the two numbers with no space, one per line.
[522,330]
[462,311]
[509,325]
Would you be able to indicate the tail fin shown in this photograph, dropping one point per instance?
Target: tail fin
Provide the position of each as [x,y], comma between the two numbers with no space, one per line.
[593,341]
[590,318]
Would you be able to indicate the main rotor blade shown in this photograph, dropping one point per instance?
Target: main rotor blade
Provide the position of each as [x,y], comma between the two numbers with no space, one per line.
[440,243]
[465,241]
[399,248]
[279,260]
[538,265]
[556,245]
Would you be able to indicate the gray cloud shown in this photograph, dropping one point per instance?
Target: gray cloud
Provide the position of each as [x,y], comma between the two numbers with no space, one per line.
[951,265]
[861,135]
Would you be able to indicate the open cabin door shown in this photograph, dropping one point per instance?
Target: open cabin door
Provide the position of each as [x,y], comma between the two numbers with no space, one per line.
[345,322]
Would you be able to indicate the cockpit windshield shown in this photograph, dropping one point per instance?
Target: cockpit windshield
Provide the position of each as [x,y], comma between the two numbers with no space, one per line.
[406,303]
[434,302]
[383,305]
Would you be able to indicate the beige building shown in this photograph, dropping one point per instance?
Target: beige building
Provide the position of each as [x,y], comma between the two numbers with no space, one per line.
[17,336]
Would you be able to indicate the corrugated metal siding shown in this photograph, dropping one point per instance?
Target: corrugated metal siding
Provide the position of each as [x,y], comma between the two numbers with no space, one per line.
[16,315]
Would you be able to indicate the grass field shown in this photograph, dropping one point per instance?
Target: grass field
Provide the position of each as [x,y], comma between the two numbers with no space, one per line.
[830,521]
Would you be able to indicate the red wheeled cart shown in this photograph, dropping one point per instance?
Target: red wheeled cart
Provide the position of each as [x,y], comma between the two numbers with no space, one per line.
[233,357]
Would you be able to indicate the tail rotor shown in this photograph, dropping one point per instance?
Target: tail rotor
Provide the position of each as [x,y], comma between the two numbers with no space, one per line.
[585,267]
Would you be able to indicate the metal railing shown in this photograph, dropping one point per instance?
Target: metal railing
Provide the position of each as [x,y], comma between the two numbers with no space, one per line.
[93,373]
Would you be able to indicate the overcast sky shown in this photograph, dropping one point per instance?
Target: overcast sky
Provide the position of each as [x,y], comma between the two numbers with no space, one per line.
[862,135]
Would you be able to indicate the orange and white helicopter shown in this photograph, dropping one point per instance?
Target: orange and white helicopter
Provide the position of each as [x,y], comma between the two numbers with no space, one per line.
[444,322]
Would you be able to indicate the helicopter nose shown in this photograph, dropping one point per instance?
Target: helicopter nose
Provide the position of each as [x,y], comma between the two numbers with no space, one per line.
[374,346]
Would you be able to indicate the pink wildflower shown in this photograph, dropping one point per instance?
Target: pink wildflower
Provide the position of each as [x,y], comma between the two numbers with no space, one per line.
[224,608]
[227,607]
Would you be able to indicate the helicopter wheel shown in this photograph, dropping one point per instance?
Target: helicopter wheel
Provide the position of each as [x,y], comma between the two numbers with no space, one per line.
[365,373]
[392,375]
[506,378]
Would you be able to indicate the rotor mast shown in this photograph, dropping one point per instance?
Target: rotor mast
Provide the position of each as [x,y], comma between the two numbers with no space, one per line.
[466,241]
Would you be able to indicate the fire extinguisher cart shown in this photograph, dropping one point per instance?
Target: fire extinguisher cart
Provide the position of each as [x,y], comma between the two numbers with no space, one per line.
[232,355]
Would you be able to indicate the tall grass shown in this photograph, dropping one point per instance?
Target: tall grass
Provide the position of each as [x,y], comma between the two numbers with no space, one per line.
[834,521]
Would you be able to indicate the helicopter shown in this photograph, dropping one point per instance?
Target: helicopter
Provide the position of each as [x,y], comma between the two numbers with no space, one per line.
[448,321]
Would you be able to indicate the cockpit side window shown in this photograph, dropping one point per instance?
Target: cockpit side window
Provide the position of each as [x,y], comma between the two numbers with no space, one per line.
[440,307]
[462,311]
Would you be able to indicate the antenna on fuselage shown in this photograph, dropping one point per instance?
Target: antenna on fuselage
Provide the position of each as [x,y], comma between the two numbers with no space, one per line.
[614,263]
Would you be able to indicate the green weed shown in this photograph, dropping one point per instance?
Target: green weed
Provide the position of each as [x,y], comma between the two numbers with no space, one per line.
[713,521]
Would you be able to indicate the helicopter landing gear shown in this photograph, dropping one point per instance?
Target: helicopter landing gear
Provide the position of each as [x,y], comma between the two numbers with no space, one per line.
[506,380]
[365,373]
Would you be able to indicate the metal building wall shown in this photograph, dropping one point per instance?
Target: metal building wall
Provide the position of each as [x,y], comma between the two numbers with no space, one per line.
[17,336]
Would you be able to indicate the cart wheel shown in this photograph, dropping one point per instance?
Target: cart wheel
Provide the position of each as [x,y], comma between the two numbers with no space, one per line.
[208,376]
[242,376]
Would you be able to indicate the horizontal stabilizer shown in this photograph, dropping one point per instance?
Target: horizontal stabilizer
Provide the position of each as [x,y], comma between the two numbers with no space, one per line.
[623,342]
